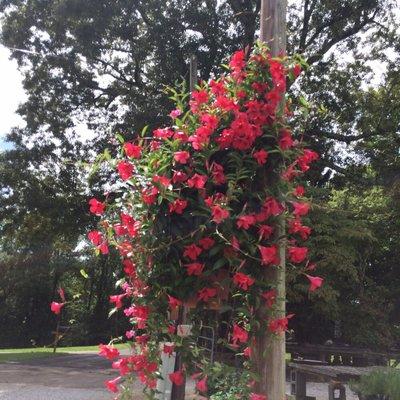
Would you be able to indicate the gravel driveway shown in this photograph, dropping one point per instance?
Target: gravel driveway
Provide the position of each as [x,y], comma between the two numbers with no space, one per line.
[79,377]
[65,377]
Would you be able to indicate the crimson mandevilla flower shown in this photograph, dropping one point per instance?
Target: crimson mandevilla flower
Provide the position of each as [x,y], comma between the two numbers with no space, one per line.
[194,212]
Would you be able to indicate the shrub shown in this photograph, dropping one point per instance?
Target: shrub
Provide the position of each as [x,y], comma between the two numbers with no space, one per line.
[383,384]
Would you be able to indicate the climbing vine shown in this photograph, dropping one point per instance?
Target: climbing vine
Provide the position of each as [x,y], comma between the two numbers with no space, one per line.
[193,215]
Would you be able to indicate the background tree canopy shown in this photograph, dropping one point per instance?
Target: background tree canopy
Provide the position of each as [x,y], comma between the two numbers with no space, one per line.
[95,68]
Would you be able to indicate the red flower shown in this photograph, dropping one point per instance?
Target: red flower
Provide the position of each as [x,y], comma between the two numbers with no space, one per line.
[154,145]
[181,156]
[173,302]
[56,307]
[315,282]
[181,136]
[112,384]
[201,385]
[130,224]
[299,191]
[95,237]
[242,280]
[296,70]
[247,352]
[217,172]
[195,269]
[96,207]
[177,378]
[178,206]
[206,243]
[265,231]
[129,267]
[119,229]
[163,133]
[122,366]
[285,140]
[149,195]
[238,61]
[117,299]
[108,352]
[225,104]
[261,156]
[300,209]
[270,297]
[125,170]
[219,213]
[200,96]
[217,87]
[279,325]
[295,226]
[239,335]
[179,177]
[209,120]
[168,349]
[297,254]
[306,159]
[163,180]
[206,293]
[256,396]
[272,207]
[140,313]
[192,251]
[103,248]
[142,339]
[132,150]
[269,255]
[278,74]
[245,221]
[197,181]
[175,113]
[171,329]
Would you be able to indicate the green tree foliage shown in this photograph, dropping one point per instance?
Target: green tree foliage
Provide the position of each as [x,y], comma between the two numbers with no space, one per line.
[97,67]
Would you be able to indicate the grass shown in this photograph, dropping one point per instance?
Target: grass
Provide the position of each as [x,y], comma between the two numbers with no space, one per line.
[14,355]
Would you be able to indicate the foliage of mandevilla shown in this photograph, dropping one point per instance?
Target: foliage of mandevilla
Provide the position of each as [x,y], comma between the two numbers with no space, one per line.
[194,215]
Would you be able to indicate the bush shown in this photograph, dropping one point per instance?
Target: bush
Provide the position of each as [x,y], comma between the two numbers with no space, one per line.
[227,383]
[383,384]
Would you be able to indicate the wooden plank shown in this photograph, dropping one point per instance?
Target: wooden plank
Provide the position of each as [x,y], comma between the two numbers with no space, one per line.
[334,371]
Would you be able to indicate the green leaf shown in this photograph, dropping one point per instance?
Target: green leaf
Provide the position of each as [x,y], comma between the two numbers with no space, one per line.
[120,138]
[84,274]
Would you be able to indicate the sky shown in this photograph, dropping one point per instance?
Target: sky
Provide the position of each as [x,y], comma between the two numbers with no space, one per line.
[11,95]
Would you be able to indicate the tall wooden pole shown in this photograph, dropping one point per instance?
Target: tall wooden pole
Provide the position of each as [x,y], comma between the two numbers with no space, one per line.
[178,392]
[270,348]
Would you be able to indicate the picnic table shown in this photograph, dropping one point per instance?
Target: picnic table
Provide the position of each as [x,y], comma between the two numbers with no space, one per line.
[342,354]
[336,375]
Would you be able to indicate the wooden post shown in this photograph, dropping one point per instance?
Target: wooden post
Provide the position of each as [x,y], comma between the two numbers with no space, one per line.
[270,349]
[178,392]
[273,25]
[57,334]
[193,73]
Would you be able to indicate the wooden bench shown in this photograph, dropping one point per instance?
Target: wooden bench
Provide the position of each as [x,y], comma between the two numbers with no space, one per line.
[336,375]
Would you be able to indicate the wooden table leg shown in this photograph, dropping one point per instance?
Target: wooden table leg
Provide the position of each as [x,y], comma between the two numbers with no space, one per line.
[333,387]
[301,386]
